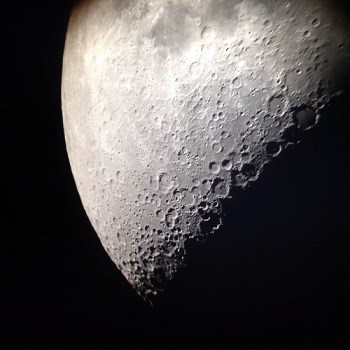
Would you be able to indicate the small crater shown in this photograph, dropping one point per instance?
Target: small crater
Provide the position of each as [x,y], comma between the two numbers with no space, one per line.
[248,170]
[208,34]
[292,134]
[220,188]
[277,105]
[273,148]
[305,117]
[214,168]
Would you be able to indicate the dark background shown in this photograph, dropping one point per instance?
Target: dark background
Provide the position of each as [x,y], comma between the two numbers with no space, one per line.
[274,277]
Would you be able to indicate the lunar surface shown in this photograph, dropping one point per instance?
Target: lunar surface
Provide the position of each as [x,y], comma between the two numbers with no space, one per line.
[168,105]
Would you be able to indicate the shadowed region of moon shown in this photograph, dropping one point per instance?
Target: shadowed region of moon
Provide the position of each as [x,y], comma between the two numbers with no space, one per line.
[167,106]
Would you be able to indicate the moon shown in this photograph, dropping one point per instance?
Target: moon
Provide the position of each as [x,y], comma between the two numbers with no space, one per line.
[169,105]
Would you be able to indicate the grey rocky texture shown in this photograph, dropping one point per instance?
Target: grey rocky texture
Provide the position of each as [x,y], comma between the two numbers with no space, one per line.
[168,105]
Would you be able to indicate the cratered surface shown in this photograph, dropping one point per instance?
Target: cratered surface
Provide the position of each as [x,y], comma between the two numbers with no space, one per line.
[168,105]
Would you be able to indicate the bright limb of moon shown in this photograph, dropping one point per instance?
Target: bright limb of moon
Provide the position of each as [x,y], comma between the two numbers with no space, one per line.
[167,105]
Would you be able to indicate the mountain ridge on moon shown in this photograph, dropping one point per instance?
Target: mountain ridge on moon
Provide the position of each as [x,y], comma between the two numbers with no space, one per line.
[167,106]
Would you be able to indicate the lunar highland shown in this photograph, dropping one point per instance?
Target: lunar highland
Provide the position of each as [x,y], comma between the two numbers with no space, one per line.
[168,105]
